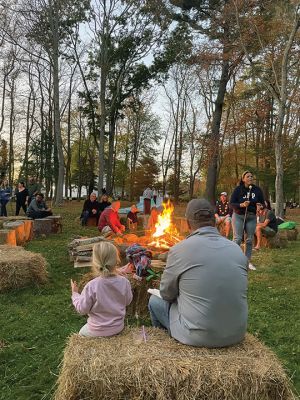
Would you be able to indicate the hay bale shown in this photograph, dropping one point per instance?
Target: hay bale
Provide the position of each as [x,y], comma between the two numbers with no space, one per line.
[125,367]
[138,308]
[20,268]
[275,242]
[288,234]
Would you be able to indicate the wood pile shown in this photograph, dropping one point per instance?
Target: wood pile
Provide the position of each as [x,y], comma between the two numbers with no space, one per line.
[81,250]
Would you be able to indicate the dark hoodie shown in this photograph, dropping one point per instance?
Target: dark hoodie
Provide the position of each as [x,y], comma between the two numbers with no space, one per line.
[241,194]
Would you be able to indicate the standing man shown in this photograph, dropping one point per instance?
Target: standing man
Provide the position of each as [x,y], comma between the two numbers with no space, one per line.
[33,188]
[204,285]
[147,195]
[223,213]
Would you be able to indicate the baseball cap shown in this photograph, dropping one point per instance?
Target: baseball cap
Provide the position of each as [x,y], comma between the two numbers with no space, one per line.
[224,194]
[199,208]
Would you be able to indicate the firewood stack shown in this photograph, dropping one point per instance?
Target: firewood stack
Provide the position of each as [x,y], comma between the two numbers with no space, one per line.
[81,250]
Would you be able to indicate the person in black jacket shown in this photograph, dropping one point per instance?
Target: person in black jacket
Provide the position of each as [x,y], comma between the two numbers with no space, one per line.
[243,202]
[91,209]
[22,197]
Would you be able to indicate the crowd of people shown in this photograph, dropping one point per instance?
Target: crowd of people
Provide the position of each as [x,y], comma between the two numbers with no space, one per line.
[202,299]
[28,198]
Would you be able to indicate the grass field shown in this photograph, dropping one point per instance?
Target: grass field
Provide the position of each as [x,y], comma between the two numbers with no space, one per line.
[36,321]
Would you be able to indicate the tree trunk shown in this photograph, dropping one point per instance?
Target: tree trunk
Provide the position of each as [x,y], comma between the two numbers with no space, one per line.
[213,145]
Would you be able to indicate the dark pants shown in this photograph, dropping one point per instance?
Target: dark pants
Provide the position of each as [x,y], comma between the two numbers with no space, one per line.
[39,214]
[86,215]
[19,206]
[3,211]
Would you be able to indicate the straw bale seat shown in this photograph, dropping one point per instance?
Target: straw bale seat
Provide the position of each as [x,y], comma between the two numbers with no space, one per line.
[288,234]
[274,242]
[20,268]
[127,367]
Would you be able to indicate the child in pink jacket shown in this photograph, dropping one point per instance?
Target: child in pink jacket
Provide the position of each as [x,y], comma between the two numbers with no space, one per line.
[103,299]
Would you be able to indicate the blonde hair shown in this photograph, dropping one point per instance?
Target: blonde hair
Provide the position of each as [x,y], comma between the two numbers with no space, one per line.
[105,259]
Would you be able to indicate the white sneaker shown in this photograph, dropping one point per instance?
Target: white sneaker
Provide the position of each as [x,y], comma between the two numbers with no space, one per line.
[252,267]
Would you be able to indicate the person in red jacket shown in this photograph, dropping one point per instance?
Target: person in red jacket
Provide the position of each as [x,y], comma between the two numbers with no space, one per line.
[109,220]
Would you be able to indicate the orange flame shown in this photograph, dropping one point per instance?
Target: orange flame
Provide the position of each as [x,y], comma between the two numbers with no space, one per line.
[166,234]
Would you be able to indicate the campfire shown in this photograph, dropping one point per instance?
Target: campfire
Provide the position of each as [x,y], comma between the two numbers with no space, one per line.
[166,234]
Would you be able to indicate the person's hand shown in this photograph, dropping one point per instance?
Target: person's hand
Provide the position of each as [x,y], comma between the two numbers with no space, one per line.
[245,204]
[119,233]
[123,228]
[94,211]
[74,286]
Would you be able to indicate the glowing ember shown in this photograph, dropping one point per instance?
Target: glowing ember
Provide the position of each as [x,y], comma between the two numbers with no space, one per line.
[166,234]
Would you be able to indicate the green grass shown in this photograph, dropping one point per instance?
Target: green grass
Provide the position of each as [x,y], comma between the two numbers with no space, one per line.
[36,321]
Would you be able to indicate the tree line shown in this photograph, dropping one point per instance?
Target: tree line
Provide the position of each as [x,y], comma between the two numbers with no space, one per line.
[78,80]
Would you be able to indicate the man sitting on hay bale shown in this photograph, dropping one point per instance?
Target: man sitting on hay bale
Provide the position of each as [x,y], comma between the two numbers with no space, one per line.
[266,225]
[38,208]
[109,221]
[204,285]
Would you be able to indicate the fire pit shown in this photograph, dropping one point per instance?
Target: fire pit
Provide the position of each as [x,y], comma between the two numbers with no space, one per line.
[164,236]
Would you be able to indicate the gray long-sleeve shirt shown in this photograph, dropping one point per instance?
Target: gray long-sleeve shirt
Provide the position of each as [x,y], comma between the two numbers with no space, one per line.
[206,281]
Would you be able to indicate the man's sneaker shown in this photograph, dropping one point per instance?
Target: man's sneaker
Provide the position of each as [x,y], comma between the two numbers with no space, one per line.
[252,267]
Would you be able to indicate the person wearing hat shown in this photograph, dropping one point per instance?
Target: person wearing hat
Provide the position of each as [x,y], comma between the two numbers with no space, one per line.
[132,219]
[243,202]
[109,220]
[223,213]
[203,288]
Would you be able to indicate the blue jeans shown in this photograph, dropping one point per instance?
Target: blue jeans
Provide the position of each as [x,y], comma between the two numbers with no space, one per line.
[249,228]
[159,312]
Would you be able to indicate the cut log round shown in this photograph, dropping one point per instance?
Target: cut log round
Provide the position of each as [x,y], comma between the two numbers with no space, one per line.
[18,227]
[42,226]
[8,236]
[56,223]
[28,229]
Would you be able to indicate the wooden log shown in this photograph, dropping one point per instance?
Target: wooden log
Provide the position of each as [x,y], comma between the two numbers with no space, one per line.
[275,242]
[56,223]
[18,227]
[42,226]
[91,221]
[8,236]
[28,229]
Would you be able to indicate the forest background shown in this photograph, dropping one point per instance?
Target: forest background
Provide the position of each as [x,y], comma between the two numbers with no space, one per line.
[182,95]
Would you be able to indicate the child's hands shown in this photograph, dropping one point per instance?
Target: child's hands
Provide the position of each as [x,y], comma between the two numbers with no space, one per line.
[74,286]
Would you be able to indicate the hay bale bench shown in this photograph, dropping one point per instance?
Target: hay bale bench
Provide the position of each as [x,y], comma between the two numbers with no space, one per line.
[125,367]
[288,234]
[20,268]
[275,242]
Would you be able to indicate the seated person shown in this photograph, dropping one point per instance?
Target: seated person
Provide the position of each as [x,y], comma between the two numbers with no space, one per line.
[152,221]
[203,288]
[132,218]
[37,208]
[266,225]
[223,213]
[109,220]
[91,209]
[104,202]
[103,299]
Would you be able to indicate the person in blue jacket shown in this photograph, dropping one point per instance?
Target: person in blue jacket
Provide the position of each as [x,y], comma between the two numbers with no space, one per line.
[5,195]
[243,202]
